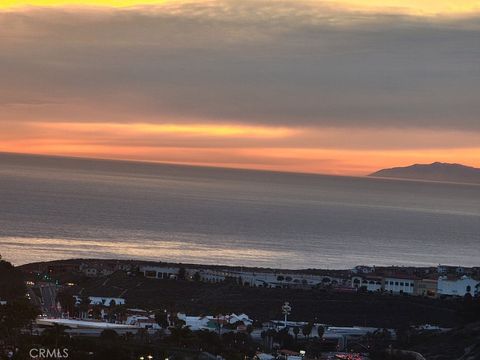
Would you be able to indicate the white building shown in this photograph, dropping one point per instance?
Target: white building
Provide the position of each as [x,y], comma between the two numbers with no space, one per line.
[399,284]
[269,279]
[247,277]
[211,322]
[370,283]
[445,269]
[85,327]
[159,272]
[457,286]
[362,269]
[98,300]
[144,322]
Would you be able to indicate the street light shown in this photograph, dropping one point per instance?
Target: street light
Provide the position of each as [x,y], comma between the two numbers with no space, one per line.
[286,309]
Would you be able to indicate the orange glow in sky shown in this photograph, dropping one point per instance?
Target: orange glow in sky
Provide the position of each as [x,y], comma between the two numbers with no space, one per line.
[194,130]
[238,146]
[243,84]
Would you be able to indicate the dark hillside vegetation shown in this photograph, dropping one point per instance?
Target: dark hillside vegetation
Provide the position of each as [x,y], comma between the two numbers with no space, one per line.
[319,305]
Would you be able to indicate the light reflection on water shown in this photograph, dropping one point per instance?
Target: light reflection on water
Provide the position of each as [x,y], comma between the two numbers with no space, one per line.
[25,250]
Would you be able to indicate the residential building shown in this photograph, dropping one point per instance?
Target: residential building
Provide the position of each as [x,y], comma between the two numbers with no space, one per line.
[159,272]
[370,283]
[90,272]
[454,286]
[100,300]
[426,287]
[362,269]
[399,284]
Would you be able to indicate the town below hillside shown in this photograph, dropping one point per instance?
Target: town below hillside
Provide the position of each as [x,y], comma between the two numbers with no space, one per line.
[136,309]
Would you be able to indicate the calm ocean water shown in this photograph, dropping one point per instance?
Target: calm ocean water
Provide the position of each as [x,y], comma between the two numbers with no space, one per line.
[53,208]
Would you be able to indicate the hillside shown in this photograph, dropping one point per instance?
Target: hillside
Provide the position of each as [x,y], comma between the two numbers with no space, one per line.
[433,172]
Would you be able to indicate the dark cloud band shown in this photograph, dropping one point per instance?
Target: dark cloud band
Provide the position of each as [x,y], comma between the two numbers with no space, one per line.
[252,62]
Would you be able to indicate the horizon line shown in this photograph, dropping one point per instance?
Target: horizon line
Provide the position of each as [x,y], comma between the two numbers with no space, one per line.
[196,165]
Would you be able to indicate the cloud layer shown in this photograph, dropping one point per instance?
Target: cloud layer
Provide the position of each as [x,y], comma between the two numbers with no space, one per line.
[308,67]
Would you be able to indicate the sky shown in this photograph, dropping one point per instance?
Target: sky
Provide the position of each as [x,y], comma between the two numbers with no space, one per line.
[339,87]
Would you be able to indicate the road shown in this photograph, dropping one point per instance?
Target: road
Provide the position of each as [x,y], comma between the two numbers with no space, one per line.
[47,301]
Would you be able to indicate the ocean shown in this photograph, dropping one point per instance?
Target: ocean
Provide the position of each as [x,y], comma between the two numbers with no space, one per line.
[57,208]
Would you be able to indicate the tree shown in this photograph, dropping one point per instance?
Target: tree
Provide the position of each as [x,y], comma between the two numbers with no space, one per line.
[18,313]
[15,316]
[109,335]
[249,330]
[268,337]
[55,335]
[197,277]
[284,338]
[307,330]
[320,331]
[161,318]
[296,331]
[84,305]
[182,273]
[12,284]
[379,340]
[67,302]
[96,311]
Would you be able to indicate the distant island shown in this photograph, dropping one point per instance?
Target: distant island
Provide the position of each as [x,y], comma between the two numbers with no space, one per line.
[436,171]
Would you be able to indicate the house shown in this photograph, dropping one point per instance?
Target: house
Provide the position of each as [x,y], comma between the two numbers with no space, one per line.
[362,269]
[148,323]
[288,354]
[104,301]
[105,272]
[263,356]
[234,318]
[90,272]
[123,266]
[370,283]
[449,269]
[159,272]
[196,322]
[426,287]
[399,284]
[454,286]
[212,323]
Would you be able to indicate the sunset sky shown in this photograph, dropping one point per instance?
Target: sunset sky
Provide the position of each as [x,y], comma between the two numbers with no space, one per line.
[340,87]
